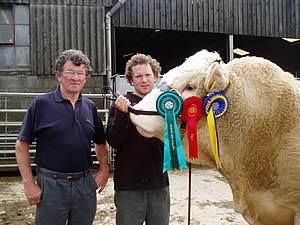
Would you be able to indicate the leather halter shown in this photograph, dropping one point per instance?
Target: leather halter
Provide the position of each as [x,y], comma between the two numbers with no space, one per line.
[162,87]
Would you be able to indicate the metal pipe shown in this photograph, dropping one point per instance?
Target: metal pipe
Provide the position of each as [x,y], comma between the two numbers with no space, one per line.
[108,16]
[190,193]
[229,49]
[28,94]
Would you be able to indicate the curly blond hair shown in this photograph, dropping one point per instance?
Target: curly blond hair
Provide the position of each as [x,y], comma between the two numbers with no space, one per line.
[139,59]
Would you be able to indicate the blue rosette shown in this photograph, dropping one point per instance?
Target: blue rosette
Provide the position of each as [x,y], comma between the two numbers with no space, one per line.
[215,106]
[218,102]
[169,105]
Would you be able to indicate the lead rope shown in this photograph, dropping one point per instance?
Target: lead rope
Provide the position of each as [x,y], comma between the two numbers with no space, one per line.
[182,130]
[190,193]
[113,96]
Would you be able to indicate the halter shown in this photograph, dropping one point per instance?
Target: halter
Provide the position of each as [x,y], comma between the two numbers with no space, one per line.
[162,87]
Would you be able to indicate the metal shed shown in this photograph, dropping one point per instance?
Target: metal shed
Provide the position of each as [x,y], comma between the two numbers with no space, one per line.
[162,26]
[57,25]
[111,31]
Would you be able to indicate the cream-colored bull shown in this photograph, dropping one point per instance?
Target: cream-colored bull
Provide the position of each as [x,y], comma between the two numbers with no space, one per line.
[259,135]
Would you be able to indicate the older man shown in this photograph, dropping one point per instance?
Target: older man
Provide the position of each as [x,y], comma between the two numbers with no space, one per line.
[63,123]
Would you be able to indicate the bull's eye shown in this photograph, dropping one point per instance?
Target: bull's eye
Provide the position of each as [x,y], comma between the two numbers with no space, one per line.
[189,87]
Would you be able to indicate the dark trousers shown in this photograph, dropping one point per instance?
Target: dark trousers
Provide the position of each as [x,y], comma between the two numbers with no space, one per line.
[66,201]
[137,207]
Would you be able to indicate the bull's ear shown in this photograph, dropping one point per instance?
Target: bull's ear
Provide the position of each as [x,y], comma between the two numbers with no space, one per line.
[216,80]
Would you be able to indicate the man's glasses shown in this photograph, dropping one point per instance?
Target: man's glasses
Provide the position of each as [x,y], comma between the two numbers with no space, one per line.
[71,74]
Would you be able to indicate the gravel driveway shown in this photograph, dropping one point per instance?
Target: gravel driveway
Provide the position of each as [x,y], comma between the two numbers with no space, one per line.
[211,202]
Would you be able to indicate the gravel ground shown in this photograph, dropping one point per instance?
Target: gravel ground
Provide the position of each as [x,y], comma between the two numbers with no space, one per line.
[211,202]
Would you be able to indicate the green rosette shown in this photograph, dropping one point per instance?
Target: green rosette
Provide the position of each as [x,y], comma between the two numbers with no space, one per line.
[169,105]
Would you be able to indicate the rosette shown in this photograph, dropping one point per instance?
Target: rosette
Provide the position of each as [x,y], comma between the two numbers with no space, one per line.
[215,106]
[169,105]
[218,102]
[191,113]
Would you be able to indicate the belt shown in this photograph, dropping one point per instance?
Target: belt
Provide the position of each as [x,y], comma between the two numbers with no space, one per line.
[64,176]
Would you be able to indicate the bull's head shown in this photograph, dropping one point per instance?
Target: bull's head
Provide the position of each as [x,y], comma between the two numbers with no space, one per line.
[199,75]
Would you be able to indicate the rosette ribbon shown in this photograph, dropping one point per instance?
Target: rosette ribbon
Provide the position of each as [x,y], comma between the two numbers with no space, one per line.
[169,105]
[191,113]
[215,106]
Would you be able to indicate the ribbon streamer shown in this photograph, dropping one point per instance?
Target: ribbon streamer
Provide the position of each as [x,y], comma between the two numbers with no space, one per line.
[213,134]
[215,106]
[169,105]
[192,112]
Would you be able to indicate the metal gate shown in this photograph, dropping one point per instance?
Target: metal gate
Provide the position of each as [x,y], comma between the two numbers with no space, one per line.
[13,107]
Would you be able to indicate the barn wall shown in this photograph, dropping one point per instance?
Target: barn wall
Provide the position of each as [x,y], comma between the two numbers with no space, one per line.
[273,18]
[103,3]
[56,25]
[55,28]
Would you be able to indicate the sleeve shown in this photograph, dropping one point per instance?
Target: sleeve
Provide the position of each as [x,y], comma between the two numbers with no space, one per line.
[118,123]
[28,128]
[99,136]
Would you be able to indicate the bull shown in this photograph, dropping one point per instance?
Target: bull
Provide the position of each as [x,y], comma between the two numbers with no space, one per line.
[258,136]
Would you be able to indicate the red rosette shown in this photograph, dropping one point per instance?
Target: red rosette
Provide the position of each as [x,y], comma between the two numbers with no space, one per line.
[191,113]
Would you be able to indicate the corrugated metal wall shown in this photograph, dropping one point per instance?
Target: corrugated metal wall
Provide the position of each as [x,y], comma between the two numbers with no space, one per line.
[61,2]
[55,28]
[56,25]
[273,18]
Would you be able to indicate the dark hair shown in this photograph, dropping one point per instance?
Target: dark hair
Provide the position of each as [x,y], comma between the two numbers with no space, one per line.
[141,59]
[76,57]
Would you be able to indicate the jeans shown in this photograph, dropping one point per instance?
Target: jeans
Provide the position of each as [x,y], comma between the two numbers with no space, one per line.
[137,207]
[66,202]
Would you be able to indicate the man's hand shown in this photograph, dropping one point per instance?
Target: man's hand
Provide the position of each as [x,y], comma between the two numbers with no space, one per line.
[33,193]
[101,177]
[122,104]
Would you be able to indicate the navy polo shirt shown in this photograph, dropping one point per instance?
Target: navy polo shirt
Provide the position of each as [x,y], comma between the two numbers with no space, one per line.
[63,134]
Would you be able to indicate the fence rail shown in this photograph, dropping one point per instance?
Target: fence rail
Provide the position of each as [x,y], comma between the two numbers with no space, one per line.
[13,107]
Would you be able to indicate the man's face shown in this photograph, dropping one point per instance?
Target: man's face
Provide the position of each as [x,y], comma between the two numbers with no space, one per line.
[143,79]
[73,78]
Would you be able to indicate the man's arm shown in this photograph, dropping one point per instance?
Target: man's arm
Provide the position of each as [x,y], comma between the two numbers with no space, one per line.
[102,156]
[118,122]
[32,190]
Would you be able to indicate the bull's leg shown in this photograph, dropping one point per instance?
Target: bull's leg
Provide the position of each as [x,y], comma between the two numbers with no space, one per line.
[297,220]
[267,212]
